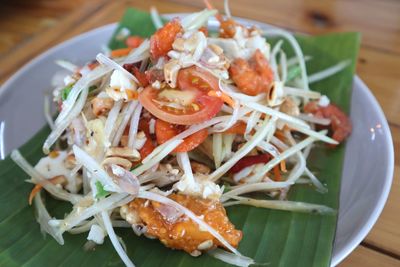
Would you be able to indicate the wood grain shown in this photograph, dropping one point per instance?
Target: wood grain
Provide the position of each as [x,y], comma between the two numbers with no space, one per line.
[366,257]
[386,234]
[39,25]
[378,21]
[90,15]
[381,72]
[26,50]
[20,20]
[114,11]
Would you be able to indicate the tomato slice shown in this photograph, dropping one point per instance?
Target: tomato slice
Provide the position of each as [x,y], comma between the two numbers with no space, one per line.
[148,146]
[197,79]
[166,131]
[250,160]
[202,107]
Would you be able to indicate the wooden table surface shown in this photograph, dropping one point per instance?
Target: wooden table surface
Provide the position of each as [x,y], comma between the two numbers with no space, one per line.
[28,28]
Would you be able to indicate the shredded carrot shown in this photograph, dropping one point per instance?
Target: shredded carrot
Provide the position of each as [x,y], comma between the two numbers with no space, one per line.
[55,180]
[277,173]
[132,95]
[224,97]
[134,41]
[93,65]
[120,52]
[280,135]
[54,154]
[283,166]
[237,128]
[33,193]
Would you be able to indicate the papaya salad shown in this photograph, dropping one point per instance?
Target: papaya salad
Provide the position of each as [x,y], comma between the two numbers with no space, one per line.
[162,135]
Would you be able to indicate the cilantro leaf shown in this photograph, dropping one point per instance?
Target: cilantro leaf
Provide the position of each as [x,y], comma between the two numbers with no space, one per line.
[65,92]
[100,190]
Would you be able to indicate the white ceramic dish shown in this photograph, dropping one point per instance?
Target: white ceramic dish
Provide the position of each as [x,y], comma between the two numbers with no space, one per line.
[368,168]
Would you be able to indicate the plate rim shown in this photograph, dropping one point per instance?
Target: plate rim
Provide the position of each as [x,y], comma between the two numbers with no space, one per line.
[372,219]
[377,211]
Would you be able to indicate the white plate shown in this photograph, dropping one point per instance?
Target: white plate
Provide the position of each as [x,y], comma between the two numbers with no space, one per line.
[368,168]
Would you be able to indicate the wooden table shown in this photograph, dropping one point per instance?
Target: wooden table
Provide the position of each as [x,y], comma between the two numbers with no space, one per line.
[30,27]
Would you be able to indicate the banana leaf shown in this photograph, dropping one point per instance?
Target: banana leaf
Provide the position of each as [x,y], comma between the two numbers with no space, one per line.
[272,237]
